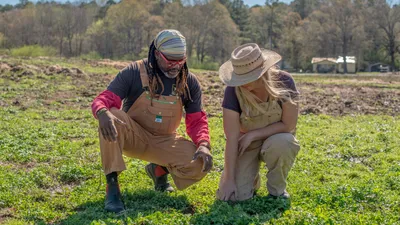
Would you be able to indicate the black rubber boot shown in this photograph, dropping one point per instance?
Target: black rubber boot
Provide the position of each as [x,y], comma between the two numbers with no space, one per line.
[113,201]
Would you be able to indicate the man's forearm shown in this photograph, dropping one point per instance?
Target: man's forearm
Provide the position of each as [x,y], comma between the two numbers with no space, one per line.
[105,99]
[197,127]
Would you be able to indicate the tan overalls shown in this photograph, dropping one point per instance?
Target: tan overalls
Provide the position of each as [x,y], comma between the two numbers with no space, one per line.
[150,135]
[277,151]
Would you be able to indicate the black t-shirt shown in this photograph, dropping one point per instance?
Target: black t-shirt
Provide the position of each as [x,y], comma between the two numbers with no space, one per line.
[231,101]
[128,86]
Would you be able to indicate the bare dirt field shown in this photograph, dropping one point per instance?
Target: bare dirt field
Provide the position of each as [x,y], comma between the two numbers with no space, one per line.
[327,95]
[332,95]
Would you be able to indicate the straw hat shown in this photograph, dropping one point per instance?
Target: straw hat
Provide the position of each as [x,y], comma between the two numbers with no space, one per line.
[247,63]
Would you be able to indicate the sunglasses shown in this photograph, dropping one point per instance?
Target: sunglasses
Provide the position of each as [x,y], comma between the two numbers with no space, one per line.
[170,63]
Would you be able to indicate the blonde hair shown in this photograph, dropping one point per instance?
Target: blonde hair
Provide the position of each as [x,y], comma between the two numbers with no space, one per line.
[276,89]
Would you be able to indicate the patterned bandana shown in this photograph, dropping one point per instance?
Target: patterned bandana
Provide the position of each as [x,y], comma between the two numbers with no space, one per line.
[171,43]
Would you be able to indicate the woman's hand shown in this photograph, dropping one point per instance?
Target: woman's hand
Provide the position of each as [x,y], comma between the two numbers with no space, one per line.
[227,190]
[244,142]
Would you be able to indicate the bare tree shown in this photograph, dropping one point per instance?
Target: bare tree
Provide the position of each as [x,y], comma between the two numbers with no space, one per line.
[127,20]
[345,17]
[387,19]
[271,19]
[290,44]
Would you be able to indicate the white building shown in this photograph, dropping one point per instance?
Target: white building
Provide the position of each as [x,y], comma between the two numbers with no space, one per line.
[350,61]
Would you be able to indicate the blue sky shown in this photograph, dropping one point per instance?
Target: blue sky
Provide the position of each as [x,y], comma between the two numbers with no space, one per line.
[248,2]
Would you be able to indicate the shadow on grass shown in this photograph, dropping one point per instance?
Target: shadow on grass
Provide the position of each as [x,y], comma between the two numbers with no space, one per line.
[138,204]
[142,203]
[257,210]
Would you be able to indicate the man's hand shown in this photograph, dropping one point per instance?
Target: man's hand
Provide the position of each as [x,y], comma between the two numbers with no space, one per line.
[204,153]
[107,122]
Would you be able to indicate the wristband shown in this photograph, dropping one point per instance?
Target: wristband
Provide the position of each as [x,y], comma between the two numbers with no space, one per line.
[205,144]
[101,111]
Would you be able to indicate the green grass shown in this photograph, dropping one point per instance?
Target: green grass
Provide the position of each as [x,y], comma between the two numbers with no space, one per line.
[33,51]
[347,172]
[64,62]
[207,65]
[91,55]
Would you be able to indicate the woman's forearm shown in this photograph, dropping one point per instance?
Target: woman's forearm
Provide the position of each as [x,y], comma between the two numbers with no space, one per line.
[231,152]
[266,132]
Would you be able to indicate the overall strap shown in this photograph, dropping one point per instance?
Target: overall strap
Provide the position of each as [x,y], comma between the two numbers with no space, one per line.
[144,77]
[243,107]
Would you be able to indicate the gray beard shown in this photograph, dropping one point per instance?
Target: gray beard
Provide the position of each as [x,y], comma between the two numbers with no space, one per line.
[169,76]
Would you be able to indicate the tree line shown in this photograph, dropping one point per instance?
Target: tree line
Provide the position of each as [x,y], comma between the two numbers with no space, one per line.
[299,31]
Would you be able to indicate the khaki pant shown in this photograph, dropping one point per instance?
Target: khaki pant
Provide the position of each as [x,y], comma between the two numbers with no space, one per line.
[171,151]
[278,152]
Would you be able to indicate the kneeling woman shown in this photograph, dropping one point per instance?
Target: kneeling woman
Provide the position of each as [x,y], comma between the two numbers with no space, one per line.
[260,116]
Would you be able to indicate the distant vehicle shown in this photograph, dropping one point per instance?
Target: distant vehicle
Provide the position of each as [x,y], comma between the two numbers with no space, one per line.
[384,69]
[378,67]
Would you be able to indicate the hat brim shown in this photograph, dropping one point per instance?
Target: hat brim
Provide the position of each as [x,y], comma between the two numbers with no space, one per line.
[230,78]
